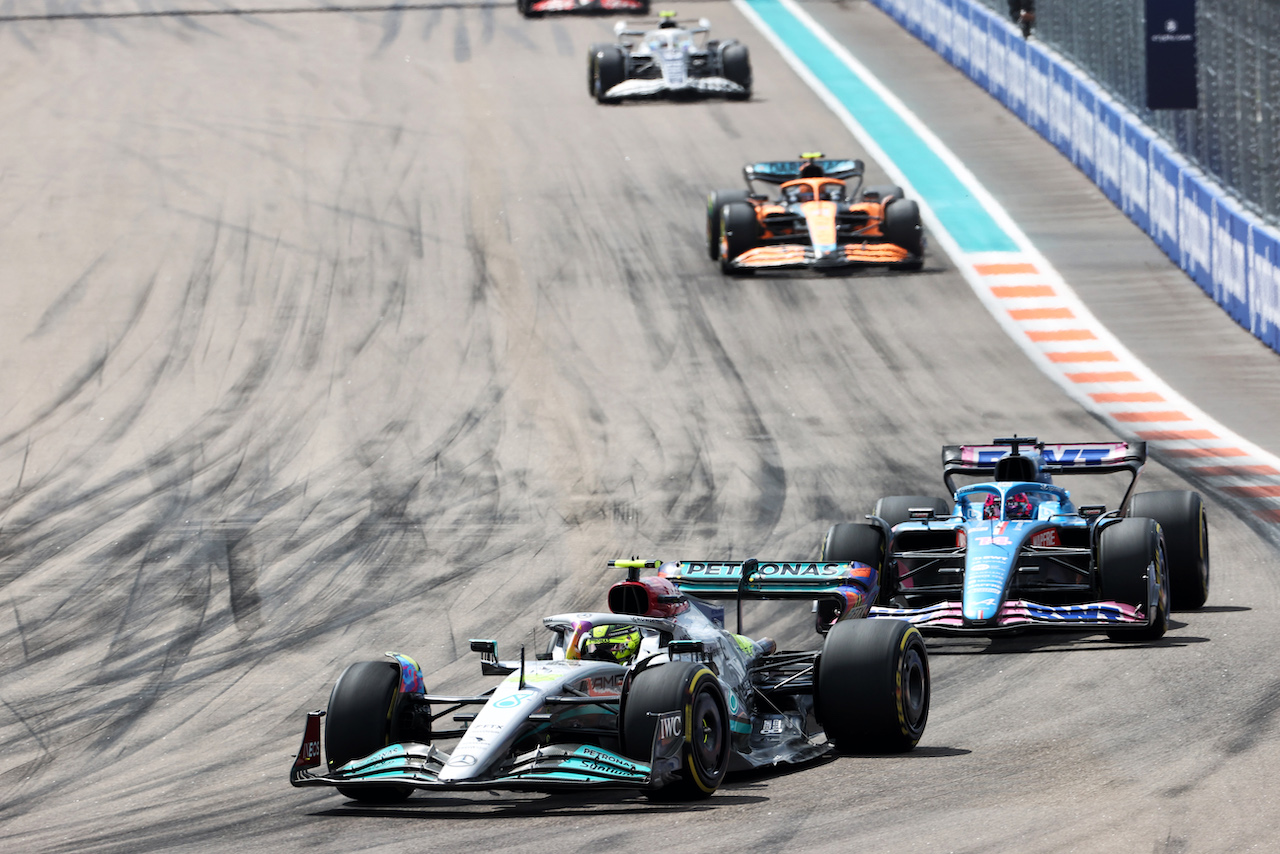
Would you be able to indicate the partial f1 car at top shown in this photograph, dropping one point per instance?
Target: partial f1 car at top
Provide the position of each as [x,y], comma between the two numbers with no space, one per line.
[653,694]
[1014,552]
[538,8]
[667,57]
[822,219]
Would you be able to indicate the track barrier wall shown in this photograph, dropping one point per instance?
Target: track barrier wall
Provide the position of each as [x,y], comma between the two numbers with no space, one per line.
[1232,255]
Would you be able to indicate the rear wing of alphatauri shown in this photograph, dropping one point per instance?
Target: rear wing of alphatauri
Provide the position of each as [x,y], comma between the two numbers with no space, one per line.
[852,585]
[1071,458]
[782,171]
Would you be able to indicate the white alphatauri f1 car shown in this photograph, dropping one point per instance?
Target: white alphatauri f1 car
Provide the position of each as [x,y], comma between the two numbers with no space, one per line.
[667,57]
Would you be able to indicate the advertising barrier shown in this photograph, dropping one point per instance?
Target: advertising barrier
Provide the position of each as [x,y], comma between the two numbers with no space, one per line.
[1232,255]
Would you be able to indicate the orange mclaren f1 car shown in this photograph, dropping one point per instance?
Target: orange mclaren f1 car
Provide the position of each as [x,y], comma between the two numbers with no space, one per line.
[823,219]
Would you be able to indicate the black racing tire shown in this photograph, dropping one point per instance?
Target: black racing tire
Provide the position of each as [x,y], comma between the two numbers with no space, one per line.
[693,689]
[358,723]
[880,192]
[852,541]
[1182,519]
[739,231]
[716,200]
[524,7]
[1125,551]
[735,59]
[593,52]
[872,687]
[895,509]
[609,70]
[902,227]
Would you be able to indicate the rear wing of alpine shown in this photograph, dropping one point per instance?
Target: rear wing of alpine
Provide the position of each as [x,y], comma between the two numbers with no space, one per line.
[1070,458]
[782,171]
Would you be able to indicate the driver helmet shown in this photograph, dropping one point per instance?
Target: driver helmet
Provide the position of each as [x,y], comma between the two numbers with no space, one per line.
[666,20]
[612,643]
[1018,506]
[991,509]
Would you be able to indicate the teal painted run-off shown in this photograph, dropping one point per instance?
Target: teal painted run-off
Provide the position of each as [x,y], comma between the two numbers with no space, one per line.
[960,213]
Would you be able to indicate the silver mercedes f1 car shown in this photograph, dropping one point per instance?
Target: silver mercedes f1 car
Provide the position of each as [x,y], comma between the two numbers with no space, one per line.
[667,57]
[653,694]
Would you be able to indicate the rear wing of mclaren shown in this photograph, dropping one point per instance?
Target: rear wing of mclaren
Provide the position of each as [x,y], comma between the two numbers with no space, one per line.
[1069,458]
[782,171]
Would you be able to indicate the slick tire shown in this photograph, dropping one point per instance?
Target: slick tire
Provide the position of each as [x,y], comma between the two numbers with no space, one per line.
[1182,519]
[716,200]
[593,53]
[872,688]
[896,509]
[525,10]
[852,541]
[609,70]
[359,722]
[1126,549]
[736,62]
[694,690]
[902,227]
[739,231]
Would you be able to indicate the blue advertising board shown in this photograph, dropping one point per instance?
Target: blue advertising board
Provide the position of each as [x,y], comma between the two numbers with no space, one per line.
[1195,230]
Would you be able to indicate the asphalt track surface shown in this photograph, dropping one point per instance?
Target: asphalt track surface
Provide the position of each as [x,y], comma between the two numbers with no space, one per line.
[327,332]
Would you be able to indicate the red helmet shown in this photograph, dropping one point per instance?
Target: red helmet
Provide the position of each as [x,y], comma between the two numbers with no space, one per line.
[1018,506]
[991,509]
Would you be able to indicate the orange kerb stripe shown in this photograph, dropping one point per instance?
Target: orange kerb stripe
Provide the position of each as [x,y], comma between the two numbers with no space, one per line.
[1175,435]
[1254,491]
[1014,291]
[1269,515]
[1126,397]
[1230,471]
[1086,356]
[1041,313]
[1206,452]
[1004,269]
[1167,415]
[1063,335]
[1104,377]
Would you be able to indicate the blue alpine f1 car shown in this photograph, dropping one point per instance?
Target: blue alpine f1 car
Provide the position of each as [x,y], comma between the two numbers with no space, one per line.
[653,694]
[1012,551]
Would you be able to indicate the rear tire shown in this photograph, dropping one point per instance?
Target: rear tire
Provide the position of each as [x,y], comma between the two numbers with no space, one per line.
[610,69]
[358,723]
[852,541]
[693,690]
[524,7]
[739,231]
[716,200]
[901,227]
[871,691]
[1182,519]
[896,509]
[736,62]
[1125,551]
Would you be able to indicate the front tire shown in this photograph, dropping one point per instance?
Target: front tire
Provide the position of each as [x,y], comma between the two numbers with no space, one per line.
[1182,519]
[1128,551]
[716,200]
[902,227]
[736,62]
[872,688]
[358,723]
[609,70]
[693,690]
[739,231]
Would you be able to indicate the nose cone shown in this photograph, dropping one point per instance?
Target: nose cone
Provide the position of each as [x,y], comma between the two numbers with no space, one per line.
[988,563]
[821,219]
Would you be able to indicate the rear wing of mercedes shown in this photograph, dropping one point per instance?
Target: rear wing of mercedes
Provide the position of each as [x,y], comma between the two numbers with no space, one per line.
[1059,459]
